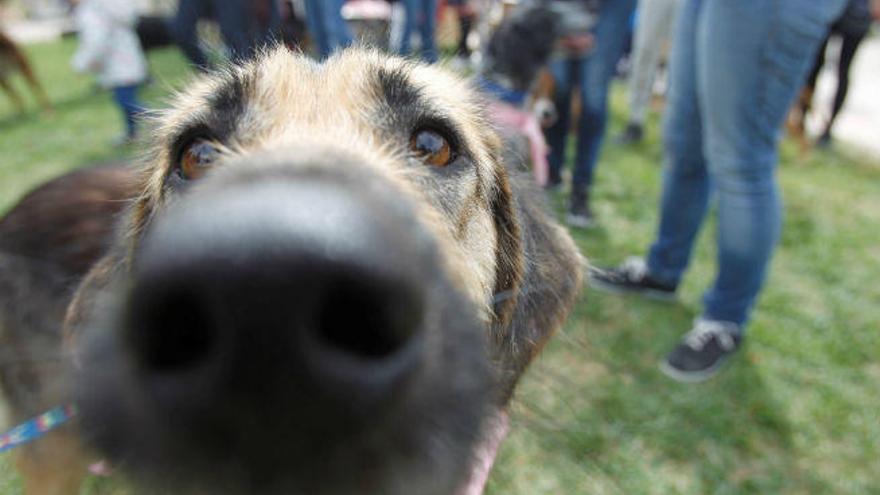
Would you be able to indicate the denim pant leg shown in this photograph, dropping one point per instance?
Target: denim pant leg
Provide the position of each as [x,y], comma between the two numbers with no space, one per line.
[428,26]
[127,99]
[338,32]
[685,196]
[326,25]
[565,73]
[596,73]
[234,19]
[752,58]
[183,27]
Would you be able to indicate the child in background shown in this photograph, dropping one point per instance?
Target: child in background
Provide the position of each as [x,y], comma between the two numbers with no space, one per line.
[110,49]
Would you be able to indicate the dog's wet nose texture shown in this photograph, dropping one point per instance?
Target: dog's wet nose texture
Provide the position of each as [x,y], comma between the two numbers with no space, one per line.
[303,286]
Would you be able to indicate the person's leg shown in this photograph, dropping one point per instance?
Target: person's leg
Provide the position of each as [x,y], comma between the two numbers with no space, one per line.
[183,27]
[315,24]
[428,24]
[753,56]
[849,45]
[126,98]
[410,21]
[596,74]
[234,18]
[796,124]
[818,63]
[465,22]
[655,23]
[339,36]
[557,134]
[16,100]
[685,196]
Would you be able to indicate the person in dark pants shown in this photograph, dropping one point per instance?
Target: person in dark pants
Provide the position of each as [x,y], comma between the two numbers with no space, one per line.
[466,15]
[421,15]
[851,28]
[234,17]
[590,74]
[327,28]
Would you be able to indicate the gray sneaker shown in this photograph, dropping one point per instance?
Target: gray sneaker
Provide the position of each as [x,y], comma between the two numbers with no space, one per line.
[631,277]
[579,213]
[702,351]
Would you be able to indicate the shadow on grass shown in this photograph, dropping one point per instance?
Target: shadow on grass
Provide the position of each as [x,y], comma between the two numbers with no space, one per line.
[597,396]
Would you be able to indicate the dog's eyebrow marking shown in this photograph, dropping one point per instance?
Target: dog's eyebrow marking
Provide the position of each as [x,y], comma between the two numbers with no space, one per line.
[411,107]
[229,102]
[397,89]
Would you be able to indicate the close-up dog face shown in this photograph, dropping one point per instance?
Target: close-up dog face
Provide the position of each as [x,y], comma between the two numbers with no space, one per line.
[306,284]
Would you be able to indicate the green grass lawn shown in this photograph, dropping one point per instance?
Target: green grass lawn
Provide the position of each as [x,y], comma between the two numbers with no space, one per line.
[798,412]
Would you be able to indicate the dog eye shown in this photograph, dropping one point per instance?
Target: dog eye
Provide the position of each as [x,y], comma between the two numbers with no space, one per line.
[196,158]
[432,147]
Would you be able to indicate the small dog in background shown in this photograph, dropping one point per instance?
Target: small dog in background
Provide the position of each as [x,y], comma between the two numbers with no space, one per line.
[13,60]
[513,74]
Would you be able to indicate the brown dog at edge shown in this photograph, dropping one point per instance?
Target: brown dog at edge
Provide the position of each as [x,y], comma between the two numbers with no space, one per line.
[12,60]
[327,278]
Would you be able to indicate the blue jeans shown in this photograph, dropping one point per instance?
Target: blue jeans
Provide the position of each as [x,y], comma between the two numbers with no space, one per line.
[326,25]
[735,69]
[591,77]
[127,99]
[421,14]
[232,16]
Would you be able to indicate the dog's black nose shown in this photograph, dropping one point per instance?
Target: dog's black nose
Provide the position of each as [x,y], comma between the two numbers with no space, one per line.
[290,296]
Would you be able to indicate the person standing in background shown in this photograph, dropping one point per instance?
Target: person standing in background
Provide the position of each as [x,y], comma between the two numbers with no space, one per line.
[326,26]
[735,70]
[109,48]
[587,69]
[421,15]
[654,29]
[234,18]
[466,14]
[851,28]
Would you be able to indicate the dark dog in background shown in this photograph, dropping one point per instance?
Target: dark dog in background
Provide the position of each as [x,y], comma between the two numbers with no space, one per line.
[514,74]
[327,280]
[13,60]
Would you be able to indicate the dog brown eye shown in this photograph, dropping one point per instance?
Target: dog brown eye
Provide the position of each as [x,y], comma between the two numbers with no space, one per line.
[432,147]
[197,158]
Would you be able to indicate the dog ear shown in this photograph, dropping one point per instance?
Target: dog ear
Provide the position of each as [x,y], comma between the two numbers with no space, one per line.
[508,249]
[84,298]
[548,270]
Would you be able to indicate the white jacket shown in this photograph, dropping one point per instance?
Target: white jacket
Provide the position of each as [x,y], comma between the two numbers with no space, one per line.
[108,44]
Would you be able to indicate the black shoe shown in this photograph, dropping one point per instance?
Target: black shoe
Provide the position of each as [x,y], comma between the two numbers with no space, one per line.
[579,213]
[631,277]
[702,351]
[633,134]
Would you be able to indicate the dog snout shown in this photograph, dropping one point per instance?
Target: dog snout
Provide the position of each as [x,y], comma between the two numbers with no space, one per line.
[291,289]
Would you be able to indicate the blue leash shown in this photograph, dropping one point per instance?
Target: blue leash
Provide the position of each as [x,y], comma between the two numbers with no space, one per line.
[35,428]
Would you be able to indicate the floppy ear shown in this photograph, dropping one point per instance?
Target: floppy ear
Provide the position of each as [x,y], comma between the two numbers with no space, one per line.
[508,250]
[82,304]
[541,266]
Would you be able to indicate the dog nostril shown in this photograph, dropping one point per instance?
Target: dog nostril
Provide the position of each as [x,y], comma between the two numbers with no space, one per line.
[367,322]
[172,330]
